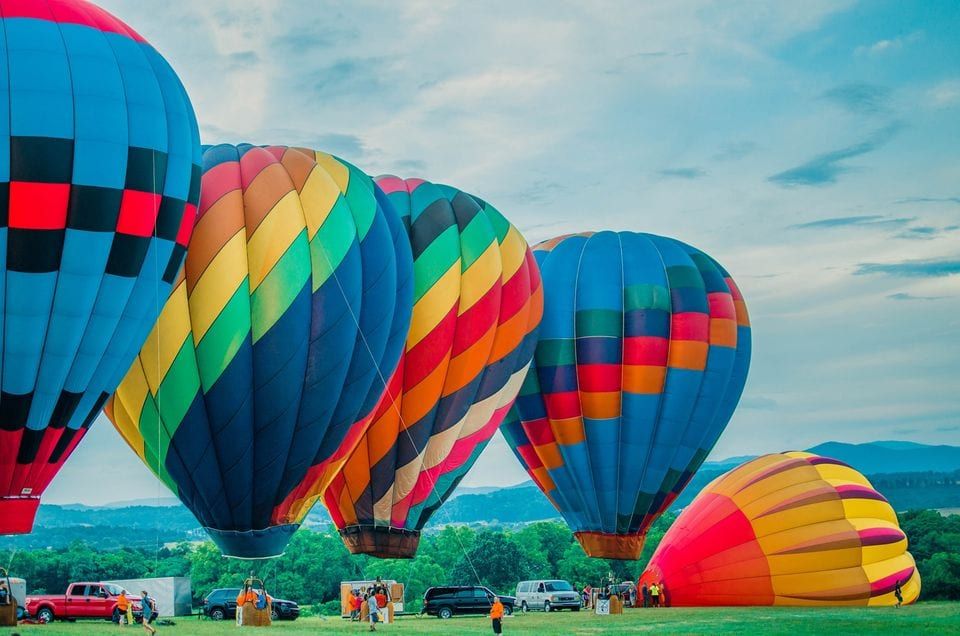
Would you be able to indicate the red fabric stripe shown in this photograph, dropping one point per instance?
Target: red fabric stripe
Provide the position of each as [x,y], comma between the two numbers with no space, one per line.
[17,514]
[721,305]
[561,406]
[427,354]
[38,206]
[477,320]
[216,182]
[253,163]
[594,378]
[68,12]
[186,224]
[690,325]
[530,457]
[539,432]
[645,350]
[9,444]
[138,213]
[516,291]
[48,471]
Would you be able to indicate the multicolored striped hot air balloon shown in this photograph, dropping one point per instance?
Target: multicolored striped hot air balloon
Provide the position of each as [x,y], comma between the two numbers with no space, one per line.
[99,181]
[477,304]
[271,354]
[786,529]
[642,356]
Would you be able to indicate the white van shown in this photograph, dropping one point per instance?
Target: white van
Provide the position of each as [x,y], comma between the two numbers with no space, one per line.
[547,595]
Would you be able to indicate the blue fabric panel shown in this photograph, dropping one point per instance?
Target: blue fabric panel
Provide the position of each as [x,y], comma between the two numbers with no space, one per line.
[557,379]
[180,127]
[646,322]
[29,298]
[599,350]
[4,129]
[145,107]
[113,292]
[41,97]
[559,273]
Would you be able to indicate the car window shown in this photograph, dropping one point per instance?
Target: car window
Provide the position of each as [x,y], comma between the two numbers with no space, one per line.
[465,594]
[540,588]
[559,586]
[480,593]
[523,587]
[114,590]
[93,590]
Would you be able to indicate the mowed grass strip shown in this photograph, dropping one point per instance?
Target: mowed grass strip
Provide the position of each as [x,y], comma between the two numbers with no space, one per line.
[924,618]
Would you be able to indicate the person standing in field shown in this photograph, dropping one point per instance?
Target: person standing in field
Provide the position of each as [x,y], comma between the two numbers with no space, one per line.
[897,592]
[645,592]
[655,594]
[374,610]
[496,616]
[123,609]
[146,608]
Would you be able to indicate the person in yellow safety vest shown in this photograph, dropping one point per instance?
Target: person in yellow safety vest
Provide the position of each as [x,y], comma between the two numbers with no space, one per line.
[496,616]
[655,595]
[246,595]
[125,608]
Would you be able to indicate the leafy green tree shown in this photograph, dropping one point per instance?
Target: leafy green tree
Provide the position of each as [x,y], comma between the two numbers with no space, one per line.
[494,560]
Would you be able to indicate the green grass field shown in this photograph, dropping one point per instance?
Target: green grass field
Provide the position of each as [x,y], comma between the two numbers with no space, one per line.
[925,618]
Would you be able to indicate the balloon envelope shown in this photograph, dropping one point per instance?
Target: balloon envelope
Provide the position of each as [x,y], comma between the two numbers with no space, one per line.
[477,303]
[786,529]
[99,180]
[641,359]
[272,351]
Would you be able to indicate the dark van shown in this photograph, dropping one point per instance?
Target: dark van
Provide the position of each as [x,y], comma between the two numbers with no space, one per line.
[445,601]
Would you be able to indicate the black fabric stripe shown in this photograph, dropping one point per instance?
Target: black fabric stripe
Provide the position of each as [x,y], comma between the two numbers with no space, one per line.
[4,204]
[63,411]
[14,410]
[65,438]
[173,265]
[93,208]
[95,411]
[169,217]
[195,176]
[127,255]
[465,207]
[146,169]
[433,221]
[41,159]
[34,251]
[29,445]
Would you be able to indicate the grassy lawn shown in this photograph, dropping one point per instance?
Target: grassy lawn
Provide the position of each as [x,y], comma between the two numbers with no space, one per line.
[925,618]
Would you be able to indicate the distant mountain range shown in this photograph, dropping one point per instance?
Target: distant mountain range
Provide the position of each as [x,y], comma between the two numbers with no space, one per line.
[910,475]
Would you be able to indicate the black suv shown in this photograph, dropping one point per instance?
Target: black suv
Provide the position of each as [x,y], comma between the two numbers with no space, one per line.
[462,599]
[222,603]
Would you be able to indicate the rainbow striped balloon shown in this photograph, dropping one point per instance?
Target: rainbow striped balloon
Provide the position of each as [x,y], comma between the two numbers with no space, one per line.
[477,304]
[643,354]
[271,354]
[786,529]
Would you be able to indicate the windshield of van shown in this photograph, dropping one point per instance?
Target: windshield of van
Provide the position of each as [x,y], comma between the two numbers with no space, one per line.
[558,586]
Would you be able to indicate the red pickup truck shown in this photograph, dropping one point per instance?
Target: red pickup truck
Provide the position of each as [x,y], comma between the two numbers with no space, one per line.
[82,600]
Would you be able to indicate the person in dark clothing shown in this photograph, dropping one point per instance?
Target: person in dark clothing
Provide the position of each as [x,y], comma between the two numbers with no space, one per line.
[898,593]
[645,591]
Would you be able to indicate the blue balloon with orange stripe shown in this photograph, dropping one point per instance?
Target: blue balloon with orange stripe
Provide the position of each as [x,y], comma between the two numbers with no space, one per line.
[99,181]
[642,356]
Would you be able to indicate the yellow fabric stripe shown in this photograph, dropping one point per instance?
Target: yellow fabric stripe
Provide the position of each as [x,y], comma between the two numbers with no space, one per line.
[339,172]
[174,324]
[434,305]
[482,274]
[127,406]
[273,238]
[513,250]
[318,196]
[218,283]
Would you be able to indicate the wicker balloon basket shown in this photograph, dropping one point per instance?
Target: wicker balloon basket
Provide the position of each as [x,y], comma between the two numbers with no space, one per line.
[8,606]
[253,617]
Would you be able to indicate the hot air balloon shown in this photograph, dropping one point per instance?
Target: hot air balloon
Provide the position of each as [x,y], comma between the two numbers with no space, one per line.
[100,176]
[273,350]
[477,304]
[642,356]
[786,529]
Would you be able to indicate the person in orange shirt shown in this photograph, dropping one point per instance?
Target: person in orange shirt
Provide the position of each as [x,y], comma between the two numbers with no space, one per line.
[125,607]
[382,600]
[496,616]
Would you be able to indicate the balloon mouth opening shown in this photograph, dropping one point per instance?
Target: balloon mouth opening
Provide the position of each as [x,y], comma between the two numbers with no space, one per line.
[268,543]
[603,545]
[17,514]
[385,542]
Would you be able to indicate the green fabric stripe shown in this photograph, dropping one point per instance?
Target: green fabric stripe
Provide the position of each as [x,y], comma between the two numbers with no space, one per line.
[434,261]
[646,296]
[474,240]
[332,242]
[684,276]
[223,339]
[500,224]
[556,352]
[599,322]
[360,198]
[148,429]
[278,290]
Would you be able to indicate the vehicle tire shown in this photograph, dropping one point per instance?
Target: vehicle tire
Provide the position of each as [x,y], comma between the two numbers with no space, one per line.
[523,607]
[116,616]
[217,614]
[546,606]
[507,610]
[274,614]
[444,612]
[45,615]
[576,609]
[21,613]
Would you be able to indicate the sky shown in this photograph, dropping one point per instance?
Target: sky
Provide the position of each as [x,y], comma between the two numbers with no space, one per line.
[812,148]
